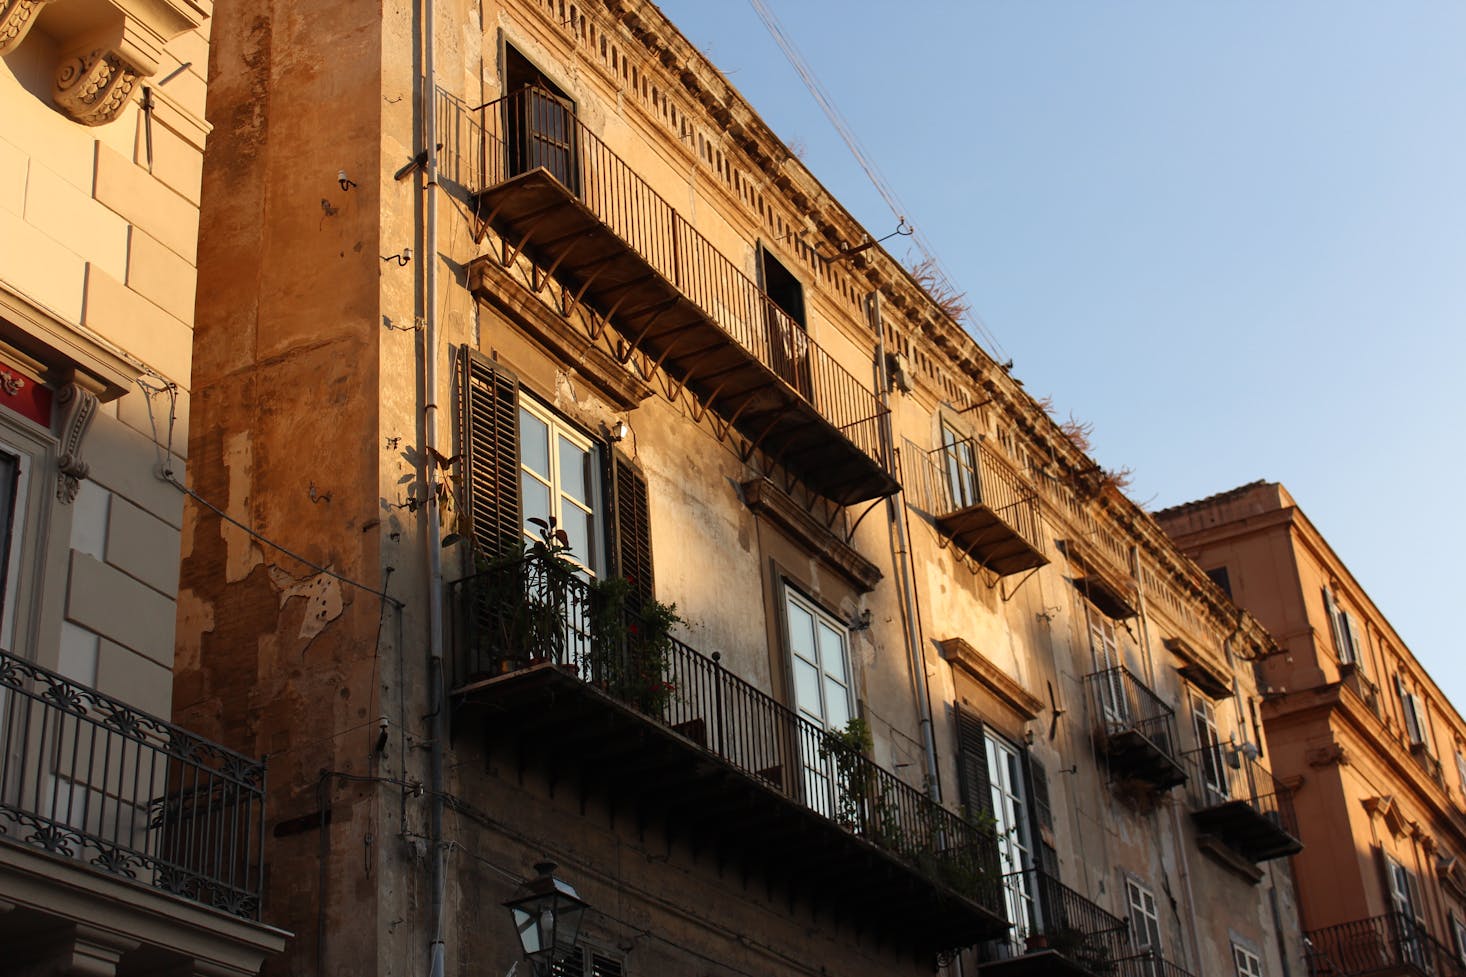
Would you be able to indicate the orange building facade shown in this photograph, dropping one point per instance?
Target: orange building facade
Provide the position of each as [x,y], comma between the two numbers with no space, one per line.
[1370,745]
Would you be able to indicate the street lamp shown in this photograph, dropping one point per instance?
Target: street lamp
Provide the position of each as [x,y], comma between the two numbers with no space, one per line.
[547,913]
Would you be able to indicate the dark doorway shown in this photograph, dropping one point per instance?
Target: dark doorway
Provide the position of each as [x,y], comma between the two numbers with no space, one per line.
[539,122]
[785,323]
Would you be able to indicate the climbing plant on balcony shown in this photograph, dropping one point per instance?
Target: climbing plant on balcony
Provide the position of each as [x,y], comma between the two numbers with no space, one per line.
[631,646]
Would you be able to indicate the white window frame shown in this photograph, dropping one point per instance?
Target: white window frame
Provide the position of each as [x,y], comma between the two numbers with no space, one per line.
[804,620]
[1209,739]
[1015,836]
[1461,770]
[1145,918]
[1245,962]
[959,453]
[1458,935]
[1104,644]
[1417,719]
[594,562]
[32,509]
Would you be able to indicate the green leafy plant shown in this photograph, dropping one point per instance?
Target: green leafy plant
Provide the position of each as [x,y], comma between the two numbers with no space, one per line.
[849,748]
[631,646]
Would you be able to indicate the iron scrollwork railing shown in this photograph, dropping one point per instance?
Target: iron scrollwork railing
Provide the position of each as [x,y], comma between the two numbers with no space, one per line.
[532,128]
[534,611]
[87,777]
[1122,702]
[1392,943]
[1054,917]
[1149,964]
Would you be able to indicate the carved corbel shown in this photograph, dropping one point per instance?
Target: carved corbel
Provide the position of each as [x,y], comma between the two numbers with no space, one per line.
[16,17]
[94,87]
[78,407]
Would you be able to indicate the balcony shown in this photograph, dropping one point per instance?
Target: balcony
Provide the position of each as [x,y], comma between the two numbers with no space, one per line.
[1235,799]
[556,670]
[1149,965]
[1136,730]
[558,195]
[1061,933]
[1382,946]
[88,778]
[986,508]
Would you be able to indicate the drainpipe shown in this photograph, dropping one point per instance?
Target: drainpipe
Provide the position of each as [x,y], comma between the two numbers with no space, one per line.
[896,507]
[438,713]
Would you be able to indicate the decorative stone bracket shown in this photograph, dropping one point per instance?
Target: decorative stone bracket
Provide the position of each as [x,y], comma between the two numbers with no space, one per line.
[78,408]
[108,45]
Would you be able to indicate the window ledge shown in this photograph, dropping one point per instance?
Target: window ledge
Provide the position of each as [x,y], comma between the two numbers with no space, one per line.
[62,352]
[762,497]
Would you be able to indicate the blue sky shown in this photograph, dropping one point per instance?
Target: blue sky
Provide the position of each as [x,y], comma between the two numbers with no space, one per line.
[1231,234]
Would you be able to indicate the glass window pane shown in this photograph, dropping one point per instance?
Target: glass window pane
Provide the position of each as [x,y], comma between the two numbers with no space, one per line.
[807,688]
[534,444]
[832,652]
[580,527]
[536,495]
[837,705]
[575,471]
[801,632]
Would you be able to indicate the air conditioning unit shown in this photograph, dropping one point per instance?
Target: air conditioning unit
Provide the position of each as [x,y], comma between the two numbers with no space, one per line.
[898,370]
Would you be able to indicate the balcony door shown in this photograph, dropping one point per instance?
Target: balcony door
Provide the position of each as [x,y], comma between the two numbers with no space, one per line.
[1213,752]
[1408,922]
[820,664]
[1104,644]
[1145,927]
[960,454]
[1015,838]
[539,123]
[784,323]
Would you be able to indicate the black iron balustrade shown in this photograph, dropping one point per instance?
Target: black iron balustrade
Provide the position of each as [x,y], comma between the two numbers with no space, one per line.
[533,611]
[702,305]
[87,777]
[1149,964]
[1236,798]
[1136,728]
[1390,944]
[989,510]
[1058,931]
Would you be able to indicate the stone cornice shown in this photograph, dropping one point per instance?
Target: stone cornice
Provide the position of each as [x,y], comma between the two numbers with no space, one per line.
[762,497]
[68,353]
[991,677]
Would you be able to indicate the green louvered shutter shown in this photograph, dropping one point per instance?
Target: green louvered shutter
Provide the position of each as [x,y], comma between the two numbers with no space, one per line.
[489,419]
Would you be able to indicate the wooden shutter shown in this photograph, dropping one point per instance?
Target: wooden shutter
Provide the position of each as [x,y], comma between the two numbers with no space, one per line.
[631,518]
[1331,610]
[1041,814]
[488,412]
[973,781]
[1355,644]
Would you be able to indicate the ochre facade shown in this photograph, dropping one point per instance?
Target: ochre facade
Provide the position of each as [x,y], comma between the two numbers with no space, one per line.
[1373,749]
[494,319]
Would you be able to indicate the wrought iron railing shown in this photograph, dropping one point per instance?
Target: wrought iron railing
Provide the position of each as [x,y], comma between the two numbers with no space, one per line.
[1381,944]
[533,610]
[532,129]
[1224,774]
[1149,964]
[1052,916]
[1121,702]
[87,777]
[957,476]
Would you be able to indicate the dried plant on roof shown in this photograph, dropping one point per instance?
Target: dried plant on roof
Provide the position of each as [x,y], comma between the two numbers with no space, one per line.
[953,303]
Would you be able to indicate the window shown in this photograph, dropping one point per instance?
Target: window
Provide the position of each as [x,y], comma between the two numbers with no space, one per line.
[1145,924]
[523,461]
[1104,645]
[820,663]
[10,494]
[560,480]
[1417,721]
[1209,743]
[539,121]
[961,457]
[1408,910]
[1222,579]
[1458,935]
[1461,770]
[588,961]
[1347,644]
[785,323]
[1245,961]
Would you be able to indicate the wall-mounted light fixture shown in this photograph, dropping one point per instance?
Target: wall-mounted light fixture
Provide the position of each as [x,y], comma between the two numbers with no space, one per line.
[345,181]
[547,912]
[401,259]
[619,431]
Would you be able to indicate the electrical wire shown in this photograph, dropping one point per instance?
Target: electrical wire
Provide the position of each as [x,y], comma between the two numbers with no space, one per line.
[165,474]
[872,172]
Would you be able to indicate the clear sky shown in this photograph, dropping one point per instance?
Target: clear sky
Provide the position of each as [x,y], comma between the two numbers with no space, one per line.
[1229,233]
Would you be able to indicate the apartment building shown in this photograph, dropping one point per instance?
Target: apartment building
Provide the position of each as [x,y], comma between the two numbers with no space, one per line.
[612,501]
[128,845]
[1371,747]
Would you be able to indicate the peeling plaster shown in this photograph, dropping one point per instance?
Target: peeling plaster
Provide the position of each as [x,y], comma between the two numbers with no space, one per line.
[241,553]
[323,599]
